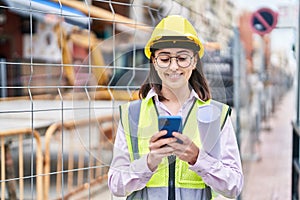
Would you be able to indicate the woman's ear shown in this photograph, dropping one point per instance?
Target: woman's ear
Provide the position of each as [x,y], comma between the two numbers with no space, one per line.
[195,61]
[152,59]
[153,62]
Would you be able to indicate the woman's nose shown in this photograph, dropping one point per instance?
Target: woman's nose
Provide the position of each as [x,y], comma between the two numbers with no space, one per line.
[173,64]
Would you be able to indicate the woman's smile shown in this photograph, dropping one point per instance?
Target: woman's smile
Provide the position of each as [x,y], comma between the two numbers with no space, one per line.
[174,76]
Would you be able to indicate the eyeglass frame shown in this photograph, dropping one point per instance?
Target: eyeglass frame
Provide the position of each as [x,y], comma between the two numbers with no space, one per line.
[170,57]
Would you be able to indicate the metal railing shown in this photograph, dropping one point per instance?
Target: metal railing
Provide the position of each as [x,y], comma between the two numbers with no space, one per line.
[83,164]
[77,156]
[9,179]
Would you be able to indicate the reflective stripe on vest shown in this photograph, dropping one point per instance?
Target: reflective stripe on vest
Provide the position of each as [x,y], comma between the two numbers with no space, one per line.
[142,113]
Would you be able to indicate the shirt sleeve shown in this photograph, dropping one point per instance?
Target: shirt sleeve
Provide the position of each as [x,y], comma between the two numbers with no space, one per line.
[125,176]
[223,175]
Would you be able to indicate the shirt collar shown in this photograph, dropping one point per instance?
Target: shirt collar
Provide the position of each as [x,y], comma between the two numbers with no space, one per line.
[195,95]
[152,93]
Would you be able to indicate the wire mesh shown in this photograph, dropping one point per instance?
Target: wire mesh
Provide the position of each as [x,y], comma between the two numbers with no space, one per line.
[65,62]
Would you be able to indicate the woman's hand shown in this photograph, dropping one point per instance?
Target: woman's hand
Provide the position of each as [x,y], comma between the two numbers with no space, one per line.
[159,148]
[185,150]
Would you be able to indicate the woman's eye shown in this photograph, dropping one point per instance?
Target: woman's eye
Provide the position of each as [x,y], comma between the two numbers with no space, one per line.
[164,59]
[182,58]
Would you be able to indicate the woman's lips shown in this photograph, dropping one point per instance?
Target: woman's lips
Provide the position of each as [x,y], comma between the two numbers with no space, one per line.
[174,76]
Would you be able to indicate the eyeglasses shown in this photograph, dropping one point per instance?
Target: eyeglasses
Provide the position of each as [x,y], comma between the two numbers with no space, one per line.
[182,60]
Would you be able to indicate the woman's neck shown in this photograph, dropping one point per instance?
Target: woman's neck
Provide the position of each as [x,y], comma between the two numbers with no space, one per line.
[178,96]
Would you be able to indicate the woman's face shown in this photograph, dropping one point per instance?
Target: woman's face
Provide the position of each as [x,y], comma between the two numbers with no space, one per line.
[174,66]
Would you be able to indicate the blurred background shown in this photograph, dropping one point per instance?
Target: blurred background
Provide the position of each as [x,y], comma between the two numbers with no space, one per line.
[66,66]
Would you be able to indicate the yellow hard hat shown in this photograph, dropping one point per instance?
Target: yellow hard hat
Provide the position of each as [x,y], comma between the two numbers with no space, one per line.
[174,31]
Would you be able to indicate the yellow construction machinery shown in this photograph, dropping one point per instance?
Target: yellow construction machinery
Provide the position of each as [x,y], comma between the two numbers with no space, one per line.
[88,40]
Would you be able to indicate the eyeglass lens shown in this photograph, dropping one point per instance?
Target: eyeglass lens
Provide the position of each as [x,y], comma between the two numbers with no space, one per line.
[182,60]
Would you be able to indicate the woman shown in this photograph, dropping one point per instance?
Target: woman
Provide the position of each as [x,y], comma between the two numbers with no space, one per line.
[147,165]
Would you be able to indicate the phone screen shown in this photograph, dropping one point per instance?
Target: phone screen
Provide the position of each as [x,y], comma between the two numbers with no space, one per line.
[171,124]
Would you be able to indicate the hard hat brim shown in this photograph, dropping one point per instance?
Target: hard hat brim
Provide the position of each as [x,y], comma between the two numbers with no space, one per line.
[173,42]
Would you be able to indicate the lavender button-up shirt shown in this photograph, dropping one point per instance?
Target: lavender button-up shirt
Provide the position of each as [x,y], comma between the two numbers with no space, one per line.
[224,174]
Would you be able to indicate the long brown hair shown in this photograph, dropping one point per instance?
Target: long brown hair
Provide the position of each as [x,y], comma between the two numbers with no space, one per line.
[197,81]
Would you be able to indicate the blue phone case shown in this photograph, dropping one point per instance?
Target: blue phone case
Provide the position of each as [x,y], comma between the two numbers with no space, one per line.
[171,124]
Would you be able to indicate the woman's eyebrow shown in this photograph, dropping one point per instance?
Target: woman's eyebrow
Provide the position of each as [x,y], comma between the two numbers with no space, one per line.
[166,52]
[163,52]
[182,51]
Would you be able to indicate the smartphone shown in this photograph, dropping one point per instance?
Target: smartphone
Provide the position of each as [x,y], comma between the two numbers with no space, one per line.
[171,124]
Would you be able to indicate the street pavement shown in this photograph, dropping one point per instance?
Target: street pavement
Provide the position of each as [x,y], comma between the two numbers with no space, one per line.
[269,176]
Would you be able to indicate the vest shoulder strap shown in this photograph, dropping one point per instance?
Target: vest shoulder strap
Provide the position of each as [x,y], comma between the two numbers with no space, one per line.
[134,115]
[225,109]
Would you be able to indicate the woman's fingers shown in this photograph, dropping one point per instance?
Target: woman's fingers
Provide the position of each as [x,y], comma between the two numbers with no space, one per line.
[157,141]
[186,150]
[158,150]
[158,135]
[181,137]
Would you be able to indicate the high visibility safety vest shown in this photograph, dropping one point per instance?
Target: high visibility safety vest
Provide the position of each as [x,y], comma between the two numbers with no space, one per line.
[140,120]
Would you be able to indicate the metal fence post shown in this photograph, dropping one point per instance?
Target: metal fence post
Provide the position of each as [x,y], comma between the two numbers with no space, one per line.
[236,82]
[3,77]
[236,78]
[298,63]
